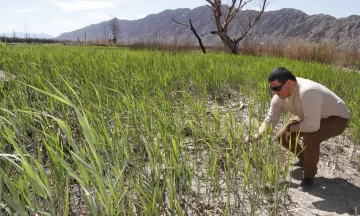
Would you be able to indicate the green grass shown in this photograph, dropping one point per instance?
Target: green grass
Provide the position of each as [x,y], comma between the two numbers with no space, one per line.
[120,132]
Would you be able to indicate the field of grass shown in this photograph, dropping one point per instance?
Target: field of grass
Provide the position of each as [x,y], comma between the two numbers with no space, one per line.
[107,131]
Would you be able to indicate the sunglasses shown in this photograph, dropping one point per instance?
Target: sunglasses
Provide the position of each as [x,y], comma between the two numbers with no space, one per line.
[277,88]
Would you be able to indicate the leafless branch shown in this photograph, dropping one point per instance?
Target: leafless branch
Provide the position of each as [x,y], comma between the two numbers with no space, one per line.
[181,23]
[195,33]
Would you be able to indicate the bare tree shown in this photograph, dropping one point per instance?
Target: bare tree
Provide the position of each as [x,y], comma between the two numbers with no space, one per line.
[222,23]
[105,32]
[27,32]
[114,26]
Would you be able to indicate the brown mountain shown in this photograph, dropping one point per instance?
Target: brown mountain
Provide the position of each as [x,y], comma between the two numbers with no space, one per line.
[273,26]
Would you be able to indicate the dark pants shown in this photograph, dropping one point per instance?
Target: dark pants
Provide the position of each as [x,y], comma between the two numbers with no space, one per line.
[310,153]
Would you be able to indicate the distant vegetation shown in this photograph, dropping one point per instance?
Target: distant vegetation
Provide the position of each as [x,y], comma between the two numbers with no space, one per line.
[303,50]
[15,39]
[113,131]
[324,52]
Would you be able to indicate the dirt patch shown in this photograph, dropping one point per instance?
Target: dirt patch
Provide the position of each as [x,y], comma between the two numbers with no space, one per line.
[337,185]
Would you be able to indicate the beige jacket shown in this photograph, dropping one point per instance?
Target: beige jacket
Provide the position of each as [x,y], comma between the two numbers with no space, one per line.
[311,102]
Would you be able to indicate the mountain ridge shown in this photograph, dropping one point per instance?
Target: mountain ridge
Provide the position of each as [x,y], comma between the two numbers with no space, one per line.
[276,25]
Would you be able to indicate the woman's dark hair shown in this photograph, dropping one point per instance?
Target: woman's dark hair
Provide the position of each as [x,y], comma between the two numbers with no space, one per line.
[281,74]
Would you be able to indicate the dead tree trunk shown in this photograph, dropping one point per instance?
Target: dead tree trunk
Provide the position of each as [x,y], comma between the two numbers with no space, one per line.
[195,33]
[114,26]
[222,24]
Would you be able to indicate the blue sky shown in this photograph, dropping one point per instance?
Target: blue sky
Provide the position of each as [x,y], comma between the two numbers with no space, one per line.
[54,17]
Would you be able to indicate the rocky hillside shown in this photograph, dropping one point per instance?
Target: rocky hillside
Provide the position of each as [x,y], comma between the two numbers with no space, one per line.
[273,26]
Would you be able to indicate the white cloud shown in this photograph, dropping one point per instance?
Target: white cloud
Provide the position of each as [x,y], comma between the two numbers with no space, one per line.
[66,22]
[79,5]
[99,16]
[61,21]
[28,10]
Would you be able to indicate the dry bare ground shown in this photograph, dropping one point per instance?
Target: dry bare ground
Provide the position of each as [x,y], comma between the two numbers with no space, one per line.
[336,190]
